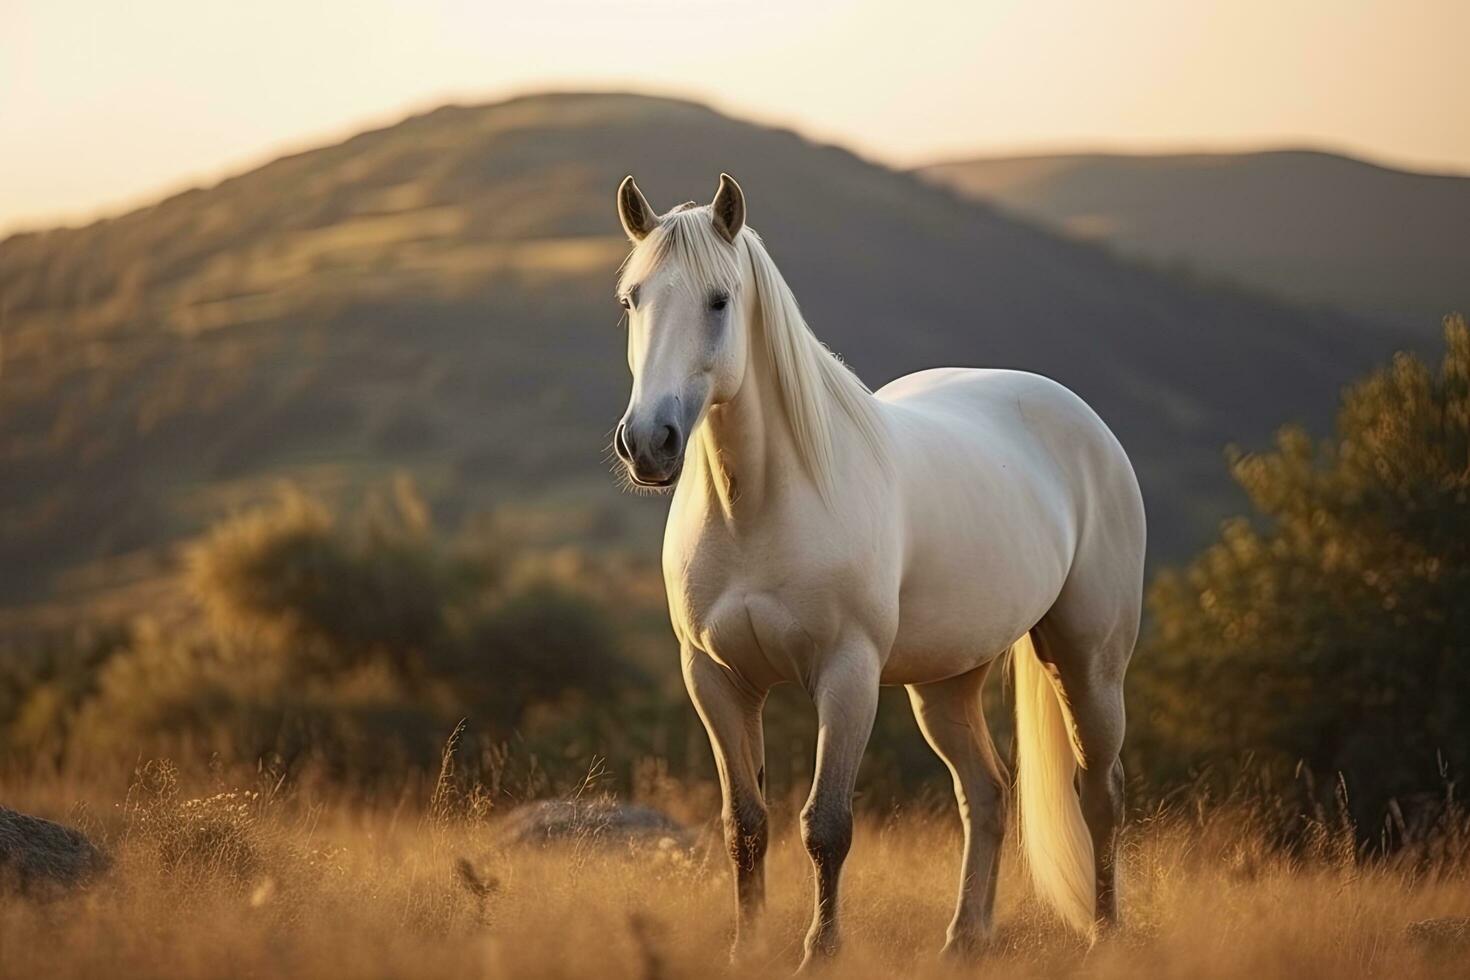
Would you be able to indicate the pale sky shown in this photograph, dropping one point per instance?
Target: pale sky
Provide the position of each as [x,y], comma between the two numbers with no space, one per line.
[105,105]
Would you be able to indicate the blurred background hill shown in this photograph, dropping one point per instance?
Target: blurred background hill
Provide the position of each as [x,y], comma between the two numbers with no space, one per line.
[434,298]
[1315,228]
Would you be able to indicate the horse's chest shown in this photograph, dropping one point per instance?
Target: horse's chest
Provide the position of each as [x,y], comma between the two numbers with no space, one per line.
[761,615]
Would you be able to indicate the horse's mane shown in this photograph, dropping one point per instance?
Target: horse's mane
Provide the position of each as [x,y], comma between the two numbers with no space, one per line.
[813,382]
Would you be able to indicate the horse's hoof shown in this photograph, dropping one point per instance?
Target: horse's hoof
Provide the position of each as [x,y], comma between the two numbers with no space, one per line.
[744,951]
[957,950]
[817,959]
[955,953]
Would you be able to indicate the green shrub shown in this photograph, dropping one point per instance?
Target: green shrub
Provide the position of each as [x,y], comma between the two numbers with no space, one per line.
[1334,629]
[357,643]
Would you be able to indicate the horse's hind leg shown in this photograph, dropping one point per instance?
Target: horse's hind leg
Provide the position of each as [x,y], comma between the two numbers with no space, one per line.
[950,715]
[1089,651]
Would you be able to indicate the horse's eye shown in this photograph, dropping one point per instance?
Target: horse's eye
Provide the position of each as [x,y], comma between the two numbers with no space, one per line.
[718,301]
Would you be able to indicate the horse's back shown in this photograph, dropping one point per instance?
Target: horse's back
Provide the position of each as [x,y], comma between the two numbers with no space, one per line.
[966,390]
[1007,417]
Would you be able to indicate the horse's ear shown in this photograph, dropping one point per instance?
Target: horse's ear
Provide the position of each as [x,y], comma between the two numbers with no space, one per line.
[729,208]
[633,210]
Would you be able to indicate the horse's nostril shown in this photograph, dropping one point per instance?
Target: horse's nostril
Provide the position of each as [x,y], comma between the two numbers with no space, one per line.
[668,441]
[620,444]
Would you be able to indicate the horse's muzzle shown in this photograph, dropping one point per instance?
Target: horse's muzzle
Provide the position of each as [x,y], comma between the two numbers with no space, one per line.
[653,454]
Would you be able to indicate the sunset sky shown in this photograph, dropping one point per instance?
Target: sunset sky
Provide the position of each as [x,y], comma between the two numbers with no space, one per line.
[108,105]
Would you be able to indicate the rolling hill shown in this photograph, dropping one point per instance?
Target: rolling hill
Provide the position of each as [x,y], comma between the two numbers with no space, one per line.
[1315,228]
[435,298]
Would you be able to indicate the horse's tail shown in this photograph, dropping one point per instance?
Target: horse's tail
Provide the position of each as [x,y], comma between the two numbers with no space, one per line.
[1053,834]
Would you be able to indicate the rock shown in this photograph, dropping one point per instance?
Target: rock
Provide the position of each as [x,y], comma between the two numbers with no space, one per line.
[599,828]
[1441,934]
[604,820]
[39,858]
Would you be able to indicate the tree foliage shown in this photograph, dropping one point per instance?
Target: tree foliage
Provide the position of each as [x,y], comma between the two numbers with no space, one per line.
[1334,628]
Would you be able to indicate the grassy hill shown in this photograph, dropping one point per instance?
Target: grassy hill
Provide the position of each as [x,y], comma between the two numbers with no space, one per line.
[1315,228]
[436,298]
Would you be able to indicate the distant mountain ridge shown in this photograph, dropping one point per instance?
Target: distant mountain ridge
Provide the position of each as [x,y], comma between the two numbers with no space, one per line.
[435,298]
[1312,227]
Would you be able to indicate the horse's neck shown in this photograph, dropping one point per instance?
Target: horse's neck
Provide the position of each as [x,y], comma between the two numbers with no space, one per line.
[746,443]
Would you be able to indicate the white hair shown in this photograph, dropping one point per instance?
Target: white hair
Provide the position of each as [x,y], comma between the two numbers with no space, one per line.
[810,378]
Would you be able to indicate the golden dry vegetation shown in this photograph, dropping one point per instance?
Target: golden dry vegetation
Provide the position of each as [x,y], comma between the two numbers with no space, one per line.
[218,877]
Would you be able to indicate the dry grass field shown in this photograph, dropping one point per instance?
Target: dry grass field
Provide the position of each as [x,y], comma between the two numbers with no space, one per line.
[209,879]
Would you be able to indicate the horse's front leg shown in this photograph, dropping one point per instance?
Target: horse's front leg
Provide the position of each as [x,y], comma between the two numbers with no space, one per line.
[731,712]
[846,695]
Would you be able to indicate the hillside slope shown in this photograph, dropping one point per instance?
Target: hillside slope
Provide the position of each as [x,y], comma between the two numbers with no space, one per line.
[436,298]
[1315,228]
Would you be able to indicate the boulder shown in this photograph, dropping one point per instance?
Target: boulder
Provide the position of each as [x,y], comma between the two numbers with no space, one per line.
[604,821]
[1445,934]
[39,858]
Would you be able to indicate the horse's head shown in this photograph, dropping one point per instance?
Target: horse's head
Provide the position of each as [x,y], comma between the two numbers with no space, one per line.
[683,289]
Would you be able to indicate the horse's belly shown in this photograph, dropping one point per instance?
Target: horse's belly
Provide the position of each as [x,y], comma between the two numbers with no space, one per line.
[972,590]
[990,537]
[943,635]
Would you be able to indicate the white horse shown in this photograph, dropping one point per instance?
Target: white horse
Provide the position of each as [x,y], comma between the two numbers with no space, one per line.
[826,536]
